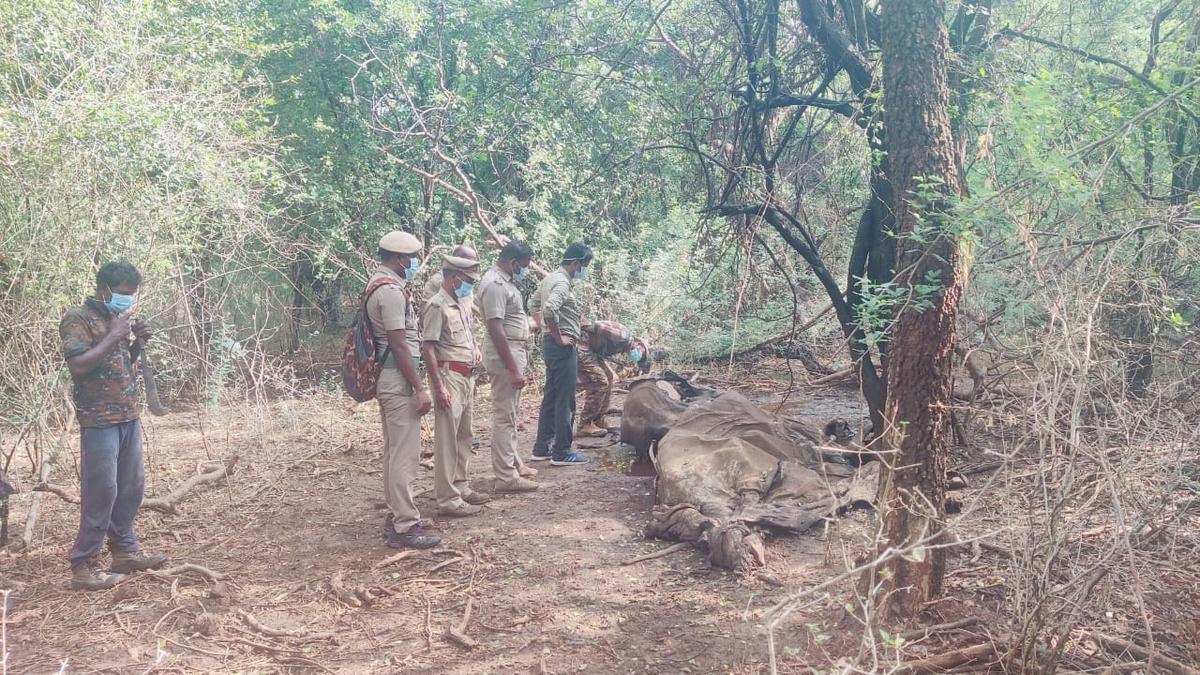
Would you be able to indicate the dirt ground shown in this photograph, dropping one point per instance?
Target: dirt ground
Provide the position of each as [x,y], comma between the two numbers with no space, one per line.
[541,572]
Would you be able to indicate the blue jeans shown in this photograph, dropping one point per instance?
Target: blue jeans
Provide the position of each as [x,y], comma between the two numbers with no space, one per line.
[111,483]
[557,414]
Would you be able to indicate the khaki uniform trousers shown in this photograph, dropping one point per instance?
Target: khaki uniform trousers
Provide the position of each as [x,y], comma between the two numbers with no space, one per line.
[506,404]
[596,382]
[401,446]
[452,441]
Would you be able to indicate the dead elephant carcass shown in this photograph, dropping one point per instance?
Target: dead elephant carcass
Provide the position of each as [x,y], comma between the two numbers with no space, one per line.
[652,407]
[729,471]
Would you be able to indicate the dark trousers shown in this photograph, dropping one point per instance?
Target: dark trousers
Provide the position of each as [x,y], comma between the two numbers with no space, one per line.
[111,484]
[557,414]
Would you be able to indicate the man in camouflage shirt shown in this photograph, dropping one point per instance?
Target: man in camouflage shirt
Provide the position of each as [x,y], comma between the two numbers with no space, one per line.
[603,340]
[99,353]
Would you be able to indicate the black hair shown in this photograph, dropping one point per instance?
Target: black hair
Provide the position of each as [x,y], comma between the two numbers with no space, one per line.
[118,273]
[516,250]
[577,251]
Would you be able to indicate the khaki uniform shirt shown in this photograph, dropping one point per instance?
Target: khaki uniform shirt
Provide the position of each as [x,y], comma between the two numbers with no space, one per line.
[391,308]
[434,285]
[499,298]
[556,301]
[109,394]
[447,321]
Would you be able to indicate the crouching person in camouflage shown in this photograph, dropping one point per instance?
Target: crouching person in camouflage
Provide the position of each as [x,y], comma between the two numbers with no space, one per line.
[604,340]
[99,353]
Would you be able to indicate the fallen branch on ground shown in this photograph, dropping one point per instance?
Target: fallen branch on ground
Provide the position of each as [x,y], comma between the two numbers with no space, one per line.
[345,595]
[458,634]
[62,492]
[1119,646]
[35,506]
[446,563]
[170,503]
[657,554]
[921,633]
[276,632]
[393,559]
[944,662]
[180,570]
[834,377]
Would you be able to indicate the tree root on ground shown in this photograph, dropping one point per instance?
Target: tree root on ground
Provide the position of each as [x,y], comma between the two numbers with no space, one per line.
[170,503]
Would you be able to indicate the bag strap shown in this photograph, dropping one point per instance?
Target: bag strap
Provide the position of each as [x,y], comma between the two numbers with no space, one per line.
[367,293]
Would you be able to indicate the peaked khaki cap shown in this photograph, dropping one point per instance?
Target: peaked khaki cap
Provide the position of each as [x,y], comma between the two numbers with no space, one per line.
[398,241]
[465,265]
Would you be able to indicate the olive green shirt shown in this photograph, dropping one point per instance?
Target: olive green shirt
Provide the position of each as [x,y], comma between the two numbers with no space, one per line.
[499,298]
[556,301]
[447,322]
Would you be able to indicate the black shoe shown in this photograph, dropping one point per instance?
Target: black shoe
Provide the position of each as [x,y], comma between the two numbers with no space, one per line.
[541,455]
[128,562]
[415,537]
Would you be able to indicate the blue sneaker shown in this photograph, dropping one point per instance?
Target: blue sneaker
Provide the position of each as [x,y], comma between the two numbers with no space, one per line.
[569,459]
[541,455]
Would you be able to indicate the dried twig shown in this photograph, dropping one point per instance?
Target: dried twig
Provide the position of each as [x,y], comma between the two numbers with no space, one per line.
[922,633]
[393,559]
[446,563]
[657,554]
[1118,645]
[944,662]
[458,634]
[63,493]
[170,503]
[276,632]
[185,568]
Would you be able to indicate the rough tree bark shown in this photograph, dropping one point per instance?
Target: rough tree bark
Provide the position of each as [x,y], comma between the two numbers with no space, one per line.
[923,162]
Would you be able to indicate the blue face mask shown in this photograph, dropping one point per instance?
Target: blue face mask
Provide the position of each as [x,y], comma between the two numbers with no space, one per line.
[413,265]
[635,355]
[582,273]
[464,289]
[120,303]
[521,274]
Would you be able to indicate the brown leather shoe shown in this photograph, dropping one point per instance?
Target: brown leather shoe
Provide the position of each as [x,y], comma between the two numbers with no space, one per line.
[461,511]
[90,576]
[516,485]
[527,471]
[127,562]
[591,430]
[476,498]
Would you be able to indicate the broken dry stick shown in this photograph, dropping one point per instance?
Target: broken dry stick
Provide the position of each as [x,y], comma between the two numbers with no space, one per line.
[170,503]
[180,570]
[658,554]
[458,634]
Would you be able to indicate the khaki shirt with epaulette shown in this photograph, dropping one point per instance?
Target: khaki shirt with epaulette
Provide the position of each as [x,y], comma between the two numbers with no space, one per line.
[391,308]
[499,298]
[556,301]
[447,322]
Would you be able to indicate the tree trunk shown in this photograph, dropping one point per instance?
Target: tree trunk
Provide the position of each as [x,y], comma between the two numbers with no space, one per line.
[923,163]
